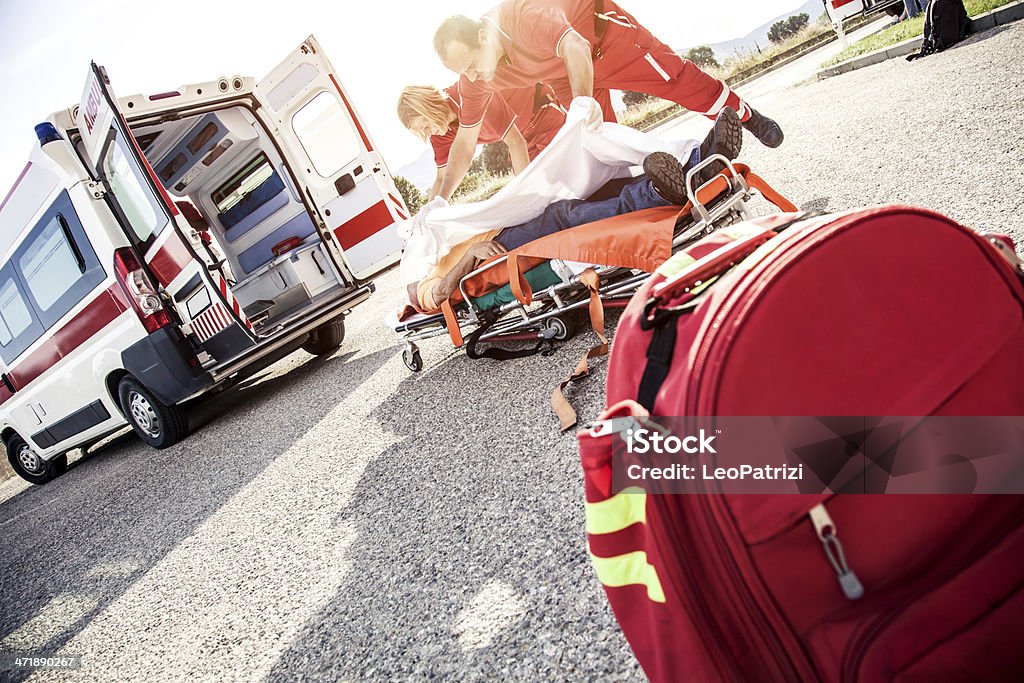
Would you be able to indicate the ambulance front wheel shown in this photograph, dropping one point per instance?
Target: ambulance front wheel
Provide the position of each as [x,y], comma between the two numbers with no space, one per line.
[412,358]
[326,338]
[29,465]
[156,423]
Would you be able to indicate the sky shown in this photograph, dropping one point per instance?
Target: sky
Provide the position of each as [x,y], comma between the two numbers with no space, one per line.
[376,49]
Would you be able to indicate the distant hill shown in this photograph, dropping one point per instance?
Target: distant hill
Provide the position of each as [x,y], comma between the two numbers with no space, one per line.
[759,36]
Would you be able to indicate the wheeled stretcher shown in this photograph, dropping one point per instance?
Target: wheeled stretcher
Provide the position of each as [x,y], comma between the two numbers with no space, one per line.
[532,293]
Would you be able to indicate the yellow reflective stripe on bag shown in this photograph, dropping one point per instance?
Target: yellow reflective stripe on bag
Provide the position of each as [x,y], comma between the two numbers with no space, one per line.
[618,512]
[630,569]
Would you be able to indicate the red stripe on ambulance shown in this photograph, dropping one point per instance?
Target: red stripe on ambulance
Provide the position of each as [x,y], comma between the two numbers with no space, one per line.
[170,259]
[398,206]
[99,313]
[352,114]
[369,222]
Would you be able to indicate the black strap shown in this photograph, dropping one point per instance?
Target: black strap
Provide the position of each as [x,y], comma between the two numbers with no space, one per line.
[540,98]
[659,362]
[495,353]
[600,26]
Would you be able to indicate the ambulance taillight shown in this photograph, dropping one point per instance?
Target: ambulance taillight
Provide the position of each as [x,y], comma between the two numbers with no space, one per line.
[140,290]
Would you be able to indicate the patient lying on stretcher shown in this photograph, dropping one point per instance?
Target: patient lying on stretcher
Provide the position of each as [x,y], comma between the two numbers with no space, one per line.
[662,184]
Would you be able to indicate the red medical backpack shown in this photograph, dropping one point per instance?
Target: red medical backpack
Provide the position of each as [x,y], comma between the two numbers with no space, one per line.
[887,311]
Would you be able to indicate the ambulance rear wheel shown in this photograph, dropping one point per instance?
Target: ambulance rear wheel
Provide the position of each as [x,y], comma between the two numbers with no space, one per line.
[29,465]
[156,423]
[326,338]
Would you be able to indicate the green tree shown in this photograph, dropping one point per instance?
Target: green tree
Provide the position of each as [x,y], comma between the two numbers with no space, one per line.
[787,28]
[410,193]
[495,158]
[778,32]
[477,165]
[703,56]
[797,23]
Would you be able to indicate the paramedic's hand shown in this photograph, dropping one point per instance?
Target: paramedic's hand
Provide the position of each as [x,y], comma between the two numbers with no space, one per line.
[482,251]
[592,114]
[420,219]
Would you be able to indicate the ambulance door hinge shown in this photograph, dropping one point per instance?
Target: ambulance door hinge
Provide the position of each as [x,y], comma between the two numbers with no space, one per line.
[96,189]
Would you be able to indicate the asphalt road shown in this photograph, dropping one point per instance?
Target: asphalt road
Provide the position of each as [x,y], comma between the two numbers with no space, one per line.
[340,518]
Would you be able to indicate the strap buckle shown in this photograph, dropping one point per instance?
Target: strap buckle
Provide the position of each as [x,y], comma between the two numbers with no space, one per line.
[618,426]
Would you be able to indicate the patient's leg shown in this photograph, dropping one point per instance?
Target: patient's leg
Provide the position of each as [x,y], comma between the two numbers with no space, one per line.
[568,213]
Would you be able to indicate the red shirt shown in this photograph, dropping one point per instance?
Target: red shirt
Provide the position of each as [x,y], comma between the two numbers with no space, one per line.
[496,121]
[531,33]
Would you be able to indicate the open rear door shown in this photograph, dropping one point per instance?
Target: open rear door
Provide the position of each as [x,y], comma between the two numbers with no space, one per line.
[200,297]
[838,10]
[341,174]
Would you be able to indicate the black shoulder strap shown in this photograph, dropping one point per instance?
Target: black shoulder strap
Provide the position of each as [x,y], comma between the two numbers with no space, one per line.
[659,362]
[600,23]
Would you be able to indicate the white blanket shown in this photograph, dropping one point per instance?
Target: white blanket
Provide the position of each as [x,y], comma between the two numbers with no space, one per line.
[575,165]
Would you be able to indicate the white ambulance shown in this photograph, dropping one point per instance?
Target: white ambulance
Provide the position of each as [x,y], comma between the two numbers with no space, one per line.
[840,10]
[156,247]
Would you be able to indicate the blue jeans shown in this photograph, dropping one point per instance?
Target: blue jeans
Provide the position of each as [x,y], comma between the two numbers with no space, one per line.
[568,213]
[915,7]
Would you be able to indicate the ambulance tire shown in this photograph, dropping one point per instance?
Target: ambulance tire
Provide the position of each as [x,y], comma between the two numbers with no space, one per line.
[29,466]
[326,338]
[156,423]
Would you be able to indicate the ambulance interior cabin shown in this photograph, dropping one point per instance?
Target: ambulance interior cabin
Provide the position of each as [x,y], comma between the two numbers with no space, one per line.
[254,229]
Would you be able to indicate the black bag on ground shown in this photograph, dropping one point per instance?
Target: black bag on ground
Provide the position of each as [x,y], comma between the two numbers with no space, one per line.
[945,24]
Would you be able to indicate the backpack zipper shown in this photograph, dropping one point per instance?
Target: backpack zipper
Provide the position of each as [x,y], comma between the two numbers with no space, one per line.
[826,529]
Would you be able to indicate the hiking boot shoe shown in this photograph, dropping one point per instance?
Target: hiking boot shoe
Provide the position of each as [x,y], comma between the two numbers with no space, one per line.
[764,129]
[725,138]
[667,175]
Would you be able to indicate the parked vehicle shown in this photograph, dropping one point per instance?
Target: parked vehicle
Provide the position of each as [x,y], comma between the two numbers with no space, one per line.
[157,247]
[841,10]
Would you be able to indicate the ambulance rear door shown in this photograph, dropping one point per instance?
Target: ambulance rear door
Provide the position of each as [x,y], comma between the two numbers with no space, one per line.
[838,10]
[200,296]
[343,178]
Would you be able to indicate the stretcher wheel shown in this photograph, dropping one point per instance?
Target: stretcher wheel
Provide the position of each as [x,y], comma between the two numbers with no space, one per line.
[561,326]
[412,358]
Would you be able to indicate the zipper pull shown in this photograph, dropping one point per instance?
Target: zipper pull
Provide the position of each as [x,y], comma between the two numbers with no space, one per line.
[826,529]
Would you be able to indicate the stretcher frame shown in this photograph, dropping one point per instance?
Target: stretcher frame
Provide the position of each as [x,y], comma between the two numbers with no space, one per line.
[545,319]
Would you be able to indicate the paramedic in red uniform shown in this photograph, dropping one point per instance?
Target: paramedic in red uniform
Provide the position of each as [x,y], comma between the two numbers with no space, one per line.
[526,119]
[595,43]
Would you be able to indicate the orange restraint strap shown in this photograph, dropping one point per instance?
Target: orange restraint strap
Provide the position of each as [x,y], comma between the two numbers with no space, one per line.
[563,409]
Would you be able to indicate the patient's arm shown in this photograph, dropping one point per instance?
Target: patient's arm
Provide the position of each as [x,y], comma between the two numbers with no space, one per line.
[517,150]
[481,251]
[413,292]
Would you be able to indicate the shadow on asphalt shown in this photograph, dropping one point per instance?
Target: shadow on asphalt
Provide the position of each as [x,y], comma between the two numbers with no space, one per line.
[473,506]
[96,530]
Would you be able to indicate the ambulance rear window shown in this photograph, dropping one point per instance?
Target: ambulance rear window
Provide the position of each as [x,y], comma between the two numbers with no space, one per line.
[242,182]
[326,135]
